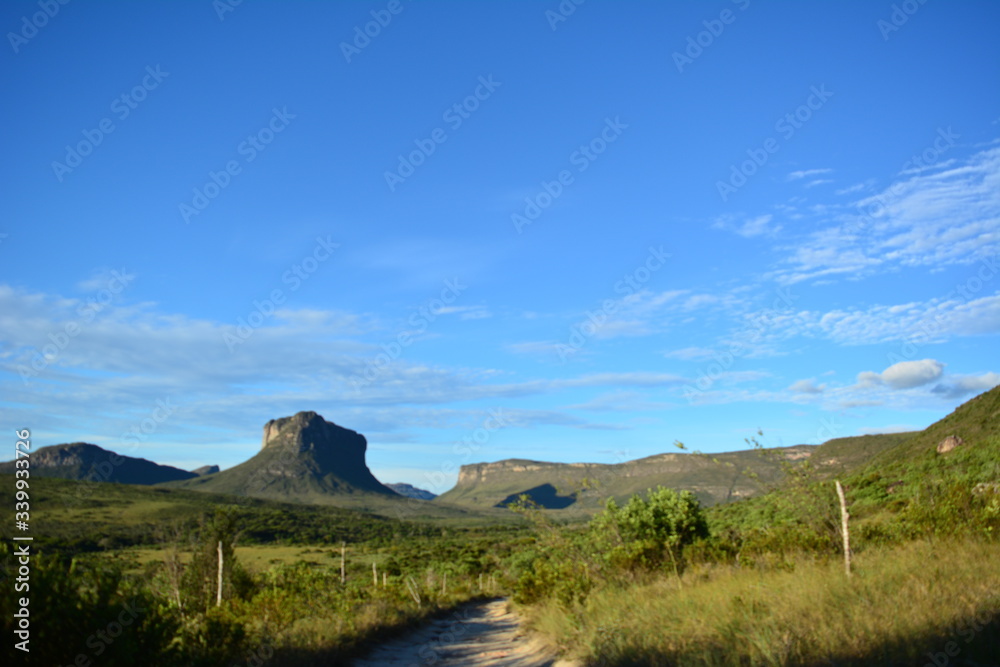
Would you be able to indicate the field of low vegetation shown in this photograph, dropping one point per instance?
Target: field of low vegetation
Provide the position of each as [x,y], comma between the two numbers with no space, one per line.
[130,575]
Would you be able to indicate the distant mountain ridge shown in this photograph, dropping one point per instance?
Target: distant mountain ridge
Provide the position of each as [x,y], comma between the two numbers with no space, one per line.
[410,491]
[84,461]
[714,478]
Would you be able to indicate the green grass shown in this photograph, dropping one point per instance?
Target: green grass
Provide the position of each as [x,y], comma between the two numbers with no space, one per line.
[899,605]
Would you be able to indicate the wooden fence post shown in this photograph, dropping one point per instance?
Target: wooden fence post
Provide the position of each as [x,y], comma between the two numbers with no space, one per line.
[218,591]
[844,516]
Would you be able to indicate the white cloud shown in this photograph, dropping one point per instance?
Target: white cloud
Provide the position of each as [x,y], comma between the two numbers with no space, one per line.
[857,187]
[747,228]
[890,428]
[958,386]
[945,214]
[466,312]
[904,375]
[805,173]
[690,353]
[818,181]
[808,386]
[129,357]
[913,324]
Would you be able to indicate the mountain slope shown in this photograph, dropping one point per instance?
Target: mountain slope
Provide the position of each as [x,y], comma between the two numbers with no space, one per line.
[83,461]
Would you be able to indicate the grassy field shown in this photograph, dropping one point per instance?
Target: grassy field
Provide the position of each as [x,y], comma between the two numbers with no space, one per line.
[74,516]
[899,605]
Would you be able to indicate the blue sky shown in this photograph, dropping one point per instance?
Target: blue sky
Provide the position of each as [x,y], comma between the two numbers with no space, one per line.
[494,230]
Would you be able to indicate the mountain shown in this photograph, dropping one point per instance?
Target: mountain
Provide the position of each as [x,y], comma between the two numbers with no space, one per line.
[713,478]
[83,461]
[206,470]
[303,458]
[410,491]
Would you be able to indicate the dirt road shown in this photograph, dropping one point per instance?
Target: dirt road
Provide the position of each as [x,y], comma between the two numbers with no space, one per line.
[482,633]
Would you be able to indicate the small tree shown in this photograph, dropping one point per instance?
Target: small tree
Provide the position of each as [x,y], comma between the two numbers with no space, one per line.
[647,531]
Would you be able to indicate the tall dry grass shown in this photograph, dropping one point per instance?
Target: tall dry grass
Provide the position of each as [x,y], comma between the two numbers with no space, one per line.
[925,603]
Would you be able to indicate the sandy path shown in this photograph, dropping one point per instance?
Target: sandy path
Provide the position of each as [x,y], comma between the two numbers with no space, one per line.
[481,633]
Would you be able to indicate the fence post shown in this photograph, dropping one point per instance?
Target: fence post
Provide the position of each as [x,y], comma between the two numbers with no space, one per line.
[843,528]
[218,590]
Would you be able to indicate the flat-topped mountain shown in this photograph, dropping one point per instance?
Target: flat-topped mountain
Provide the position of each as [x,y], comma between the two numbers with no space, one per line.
[302,458]
[713,478]
[84,461]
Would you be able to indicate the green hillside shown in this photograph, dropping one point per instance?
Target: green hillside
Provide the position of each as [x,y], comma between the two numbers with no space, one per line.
[976,421]
[904,490]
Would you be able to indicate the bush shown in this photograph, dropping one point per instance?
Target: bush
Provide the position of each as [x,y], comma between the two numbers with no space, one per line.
[648,531]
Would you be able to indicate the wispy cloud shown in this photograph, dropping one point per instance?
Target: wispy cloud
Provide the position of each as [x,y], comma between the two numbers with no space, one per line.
[806,173]
[947,213]
[960,386]
[748,227]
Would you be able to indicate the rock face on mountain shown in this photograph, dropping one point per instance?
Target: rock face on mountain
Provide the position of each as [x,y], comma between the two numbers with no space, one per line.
[303,458]
[410,491]
[206,470]
[83,461]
